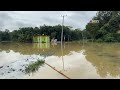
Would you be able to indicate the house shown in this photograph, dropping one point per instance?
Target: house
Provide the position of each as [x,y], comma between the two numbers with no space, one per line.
[41,39]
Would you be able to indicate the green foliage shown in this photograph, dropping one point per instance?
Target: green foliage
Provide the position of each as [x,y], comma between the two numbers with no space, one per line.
[26,34]
[109,38]
[117,37]
[5,35]
[76,34]
[92,29]
[34,66]
[107,28]
[0,36]
[99,40]
[53,35]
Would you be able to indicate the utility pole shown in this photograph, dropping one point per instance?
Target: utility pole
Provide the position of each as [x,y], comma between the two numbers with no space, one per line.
[62,28]
[62,39]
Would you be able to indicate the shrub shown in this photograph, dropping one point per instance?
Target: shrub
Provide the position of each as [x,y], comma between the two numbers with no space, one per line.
[34,66]
[99,40]
[109,38]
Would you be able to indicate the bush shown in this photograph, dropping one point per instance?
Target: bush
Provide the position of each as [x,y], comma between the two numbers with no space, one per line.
[109,38]
[117,37]
[34,66]
[99,40]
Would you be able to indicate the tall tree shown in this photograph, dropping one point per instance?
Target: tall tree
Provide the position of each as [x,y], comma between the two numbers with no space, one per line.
[92,29]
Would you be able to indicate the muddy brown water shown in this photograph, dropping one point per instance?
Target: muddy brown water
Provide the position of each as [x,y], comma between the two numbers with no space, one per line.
[88,60]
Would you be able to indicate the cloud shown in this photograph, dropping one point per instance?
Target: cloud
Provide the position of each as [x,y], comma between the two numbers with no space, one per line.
[9,20]
[15,19]
[4,18]
[80,18]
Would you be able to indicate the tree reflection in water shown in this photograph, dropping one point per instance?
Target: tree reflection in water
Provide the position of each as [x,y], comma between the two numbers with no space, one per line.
[105,57]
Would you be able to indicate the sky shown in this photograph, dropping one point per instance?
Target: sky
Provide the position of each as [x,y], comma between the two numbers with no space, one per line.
[14,20]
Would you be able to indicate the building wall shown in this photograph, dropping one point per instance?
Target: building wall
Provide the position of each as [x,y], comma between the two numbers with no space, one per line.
[35,39]
[41,39]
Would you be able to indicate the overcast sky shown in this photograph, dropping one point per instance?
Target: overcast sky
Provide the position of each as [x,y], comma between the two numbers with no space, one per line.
[15,19]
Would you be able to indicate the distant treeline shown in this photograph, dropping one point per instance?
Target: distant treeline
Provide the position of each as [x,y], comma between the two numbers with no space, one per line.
[26,34]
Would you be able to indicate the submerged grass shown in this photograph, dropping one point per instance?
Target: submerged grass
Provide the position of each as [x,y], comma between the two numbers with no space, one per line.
[34,66]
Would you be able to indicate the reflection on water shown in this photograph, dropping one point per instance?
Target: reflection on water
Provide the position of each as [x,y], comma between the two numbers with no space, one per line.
[62,55]
[102,60]
[106,59]
[41,45]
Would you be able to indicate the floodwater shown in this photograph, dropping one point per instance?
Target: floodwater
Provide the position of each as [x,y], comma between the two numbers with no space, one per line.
[76,60]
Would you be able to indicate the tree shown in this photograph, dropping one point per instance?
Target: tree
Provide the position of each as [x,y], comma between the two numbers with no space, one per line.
[108,25]
[92,29]
[14,35]
[0,36]
[109,38]
[26,34]
[103,17]
[53,35]
[5,35]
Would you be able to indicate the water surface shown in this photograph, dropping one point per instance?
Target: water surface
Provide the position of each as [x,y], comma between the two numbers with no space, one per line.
[80,60]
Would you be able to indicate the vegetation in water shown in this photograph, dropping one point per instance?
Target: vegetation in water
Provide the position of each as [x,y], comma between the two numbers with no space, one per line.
[34,66]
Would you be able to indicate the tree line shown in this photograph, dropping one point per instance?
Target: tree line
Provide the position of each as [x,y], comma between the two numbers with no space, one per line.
[26,34]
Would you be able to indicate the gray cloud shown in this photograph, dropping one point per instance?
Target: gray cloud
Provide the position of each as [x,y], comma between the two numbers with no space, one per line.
[4,18]
[15,19]
[8,20]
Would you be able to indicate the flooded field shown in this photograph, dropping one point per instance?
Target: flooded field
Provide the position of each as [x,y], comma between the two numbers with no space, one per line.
[80,60]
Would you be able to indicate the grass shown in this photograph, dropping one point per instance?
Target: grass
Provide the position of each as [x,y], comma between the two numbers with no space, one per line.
[33,67]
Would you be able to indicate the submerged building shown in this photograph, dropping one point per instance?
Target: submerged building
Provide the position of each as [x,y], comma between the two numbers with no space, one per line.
[41,39]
